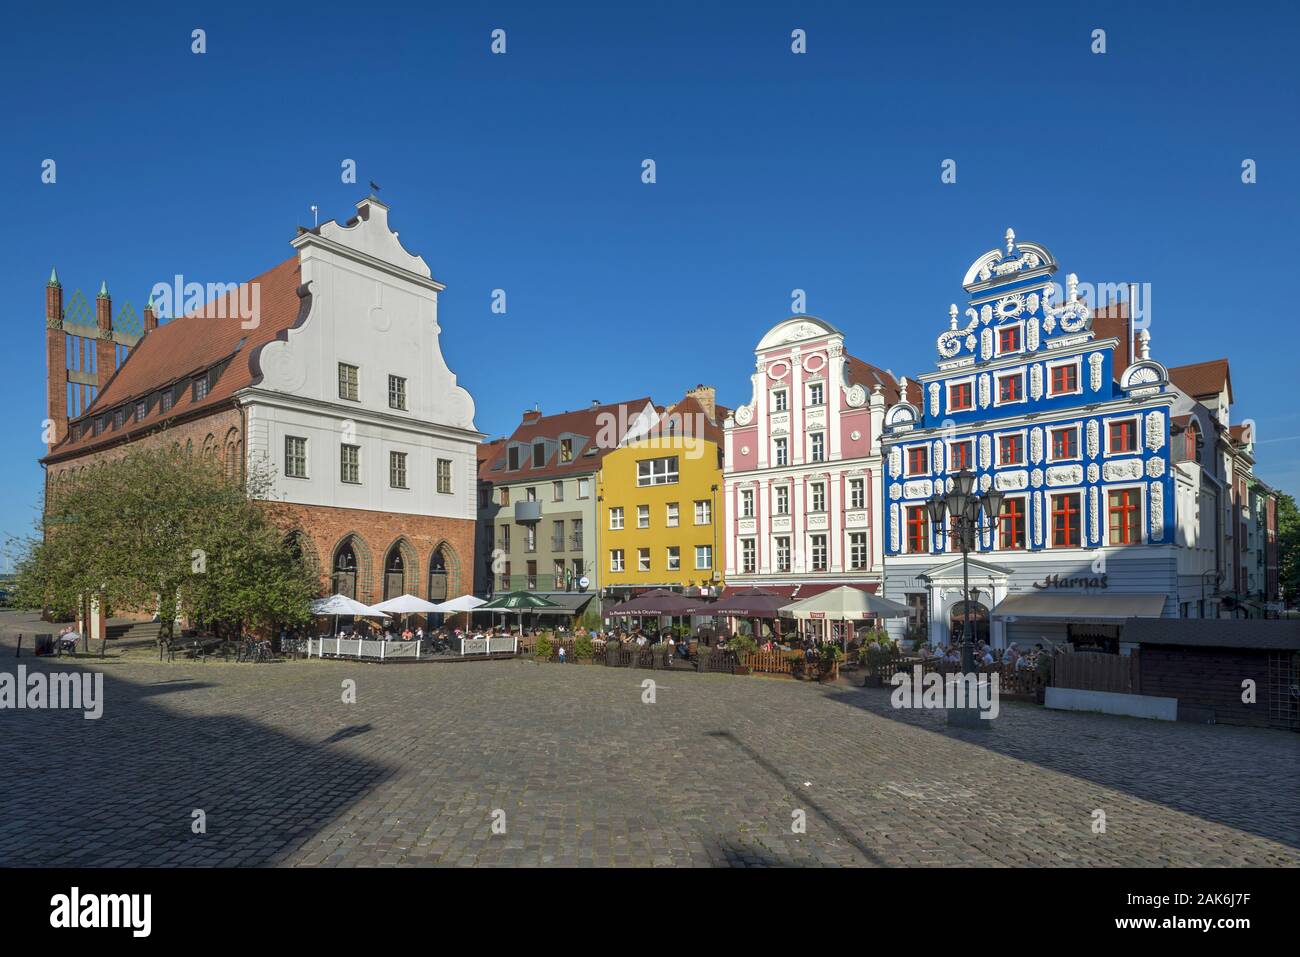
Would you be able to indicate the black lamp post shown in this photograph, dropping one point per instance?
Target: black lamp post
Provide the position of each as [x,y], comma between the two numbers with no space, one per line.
[962,506]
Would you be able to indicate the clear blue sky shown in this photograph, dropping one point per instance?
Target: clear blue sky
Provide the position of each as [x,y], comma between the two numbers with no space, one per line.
[775,171]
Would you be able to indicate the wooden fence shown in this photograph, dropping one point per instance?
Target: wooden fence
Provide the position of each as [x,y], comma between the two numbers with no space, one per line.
[777,663]
[1097,671]
[1013,682]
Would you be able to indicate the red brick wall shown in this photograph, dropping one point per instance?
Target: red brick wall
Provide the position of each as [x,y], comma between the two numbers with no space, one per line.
[373,534]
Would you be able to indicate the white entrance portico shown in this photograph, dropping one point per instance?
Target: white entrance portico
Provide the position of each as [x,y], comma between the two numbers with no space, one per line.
[988,586]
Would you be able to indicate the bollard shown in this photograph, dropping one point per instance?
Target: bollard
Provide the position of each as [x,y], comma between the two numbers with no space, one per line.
[19,652]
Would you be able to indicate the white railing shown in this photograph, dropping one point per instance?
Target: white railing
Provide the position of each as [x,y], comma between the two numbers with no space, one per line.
[360,648]
[494,644]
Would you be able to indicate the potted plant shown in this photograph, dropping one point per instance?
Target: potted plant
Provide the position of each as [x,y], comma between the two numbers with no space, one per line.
[583,649]
[829,655]
[742,646]
[797,662]
[543,648]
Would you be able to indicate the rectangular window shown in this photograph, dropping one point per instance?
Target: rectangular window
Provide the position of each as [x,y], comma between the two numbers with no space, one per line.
[141,408]
[657,471]
[782,452]
[119,418]
[816,394]
[818,446]
[530,493]
[616,560]
[539,454]
[673,517]
[1125,508]
[557,535]
[1011,450]
[557,491]
[165,401]
[1122,435]
[857,550]
[918,460]
[1065,443]
[584,488]
[396,392]
[348,379]
[748,556]
[857,493]
[703,557]
[295,456]
[1064,380]
[532,576]
[1009,339]
[505,496]
[566,450]
[1011,524]
[504,537]
[817,551]
[350,464]
[674,558]
[778,401]
[557,573]
[782,500]
[747,503]
[505,577]
[817,496]
[512,458]
[643,516]
[530,538]
[616,518]
[643,559]
[1065,521]
[959,397]
[918,529]
[1011,388]
[444,476]
[397,469]
[783,554]
[961,455]
[200,387]
[577,535]
[703,512]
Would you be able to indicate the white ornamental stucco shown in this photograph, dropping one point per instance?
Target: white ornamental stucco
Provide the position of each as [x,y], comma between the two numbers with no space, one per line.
[1012,481]
[1122,470]
[1155,430]
[1065,475]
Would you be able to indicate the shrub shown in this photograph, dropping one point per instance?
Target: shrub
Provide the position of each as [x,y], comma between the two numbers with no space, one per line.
[543,647]
[742,644]
[831,653]
[583,648]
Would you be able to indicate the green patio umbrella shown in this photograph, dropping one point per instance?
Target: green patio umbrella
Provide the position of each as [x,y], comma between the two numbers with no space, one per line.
[518,602]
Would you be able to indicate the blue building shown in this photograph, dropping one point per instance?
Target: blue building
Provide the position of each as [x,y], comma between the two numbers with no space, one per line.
[1073,426]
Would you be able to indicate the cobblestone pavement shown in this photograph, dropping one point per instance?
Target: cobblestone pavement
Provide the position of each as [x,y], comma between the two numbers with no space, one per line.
[585,773]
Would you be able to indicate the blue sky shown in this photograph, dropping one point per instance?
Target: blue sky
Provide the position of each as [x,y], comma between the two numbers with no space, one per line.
[775,171]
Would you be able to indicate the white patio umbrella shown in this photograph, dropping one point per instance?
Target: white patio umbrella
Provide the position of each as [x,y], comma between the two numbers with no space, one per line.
[407,605]
[845,604]
[343,605]
[463,603]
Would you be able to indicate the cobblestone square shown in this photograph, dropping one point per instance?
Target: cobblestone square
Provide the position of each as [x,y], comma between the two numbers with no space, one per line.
[582,772]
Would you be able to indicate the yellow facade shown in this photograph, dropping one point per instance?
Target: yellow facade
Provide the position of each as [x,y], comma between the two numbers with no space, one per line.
[641,488]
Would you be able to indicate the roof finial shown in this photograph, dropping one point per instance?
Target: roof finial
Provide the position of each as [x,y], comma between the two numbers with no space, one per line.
[103,290]
[1011,240]
[54,278]
[952,315]
[1072,287]
[1144,344]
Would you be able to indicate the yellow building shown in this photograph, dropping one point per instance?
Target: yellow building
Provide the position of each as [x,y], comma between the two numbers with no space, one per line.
[657,504]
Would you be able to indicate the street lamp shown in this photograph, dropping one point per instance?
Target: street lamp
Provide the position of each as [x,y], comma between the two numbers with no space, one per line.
[962,507]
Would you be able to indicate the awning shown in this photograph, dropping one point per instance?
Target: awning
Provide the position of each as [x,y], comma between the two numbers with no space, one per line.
[566,603]
[807,591]
[1080,607]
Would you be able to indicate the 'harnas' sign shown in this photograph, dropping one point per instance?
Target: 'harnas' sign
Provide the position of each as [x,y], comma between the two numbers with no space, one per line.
[1056,581]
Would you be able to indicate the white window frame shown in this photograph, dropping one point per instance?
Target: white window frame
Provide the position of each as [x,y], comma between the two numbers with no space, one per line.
[1023,375]
[1077,429]
[968,440]
[1024,449]
[1050,524]
[1077,362]
[997,339]
[748,556]
[306,471]
[781,451]
[673,558]
[813,546]
[997,532]
[708,564]
[970,381]
[448,487]
[669,476]
[672,515]
[907,459]
[854,565]
[821,387]
[616,560]
[776,554]
[746,503]
[357,382]
[776,499]
[857,493]
[1136,419]
[703,512]
[643,516]
[616,518]
[815,490]
[643,559]
[816,446]
[357,449]
[784,396]
[397,469]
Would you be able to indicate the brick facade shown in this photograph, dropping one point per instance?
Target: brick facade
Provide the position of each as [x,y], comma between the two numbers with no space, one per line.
[323,530]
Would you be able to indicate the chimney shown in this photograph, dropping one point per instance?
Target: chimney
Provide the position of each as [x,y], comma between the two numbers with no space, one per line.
[707,397]
[595,403]
[56,361]
[150,317]
[105,347]
[532,415]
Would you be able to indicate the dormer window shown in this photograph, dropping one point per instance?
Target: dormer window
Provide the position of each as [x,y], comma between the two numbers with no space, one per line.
[141,409]
[200,387]
[165,400]
[119,418]
[566,450]
[512,458]
[539,454]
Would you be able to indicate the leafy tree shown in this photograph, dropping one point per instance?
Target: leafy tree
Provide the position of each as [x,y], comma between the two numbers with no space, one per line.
[167,529]
[1288,546]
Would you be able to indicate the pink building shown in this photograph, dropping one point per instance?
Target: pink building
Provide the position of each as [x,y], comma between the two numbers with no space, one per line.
[802,468]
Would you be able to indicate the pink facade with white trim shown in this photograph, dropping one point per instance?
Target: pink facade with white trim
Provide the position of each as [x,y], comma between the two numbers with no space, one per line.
[802,467]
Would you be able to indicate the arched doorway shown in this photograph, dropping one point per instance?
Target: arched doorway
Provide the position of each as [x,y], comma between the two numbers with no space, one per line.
[345,571]
[438,576]
[979,622]
[394,573]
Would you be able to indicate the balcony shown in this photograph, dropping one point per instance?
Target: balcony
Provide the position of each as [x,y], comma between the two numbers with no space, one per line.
[575,543]
[526,512]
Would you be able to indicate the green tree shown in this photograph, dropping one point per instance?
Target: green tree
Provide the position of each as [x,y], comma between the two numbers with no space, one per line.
[167,529]
[1288,546]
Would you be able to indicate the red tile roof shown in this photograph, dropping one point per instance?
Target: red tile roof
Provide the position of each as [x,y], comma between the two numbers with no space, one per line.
[869,376]
[178,350]
[1203,378]
[581,422]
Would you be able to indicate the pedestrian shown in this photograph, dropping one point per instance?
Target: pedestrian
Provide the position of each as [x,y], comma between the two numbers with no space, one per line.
[561,653]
